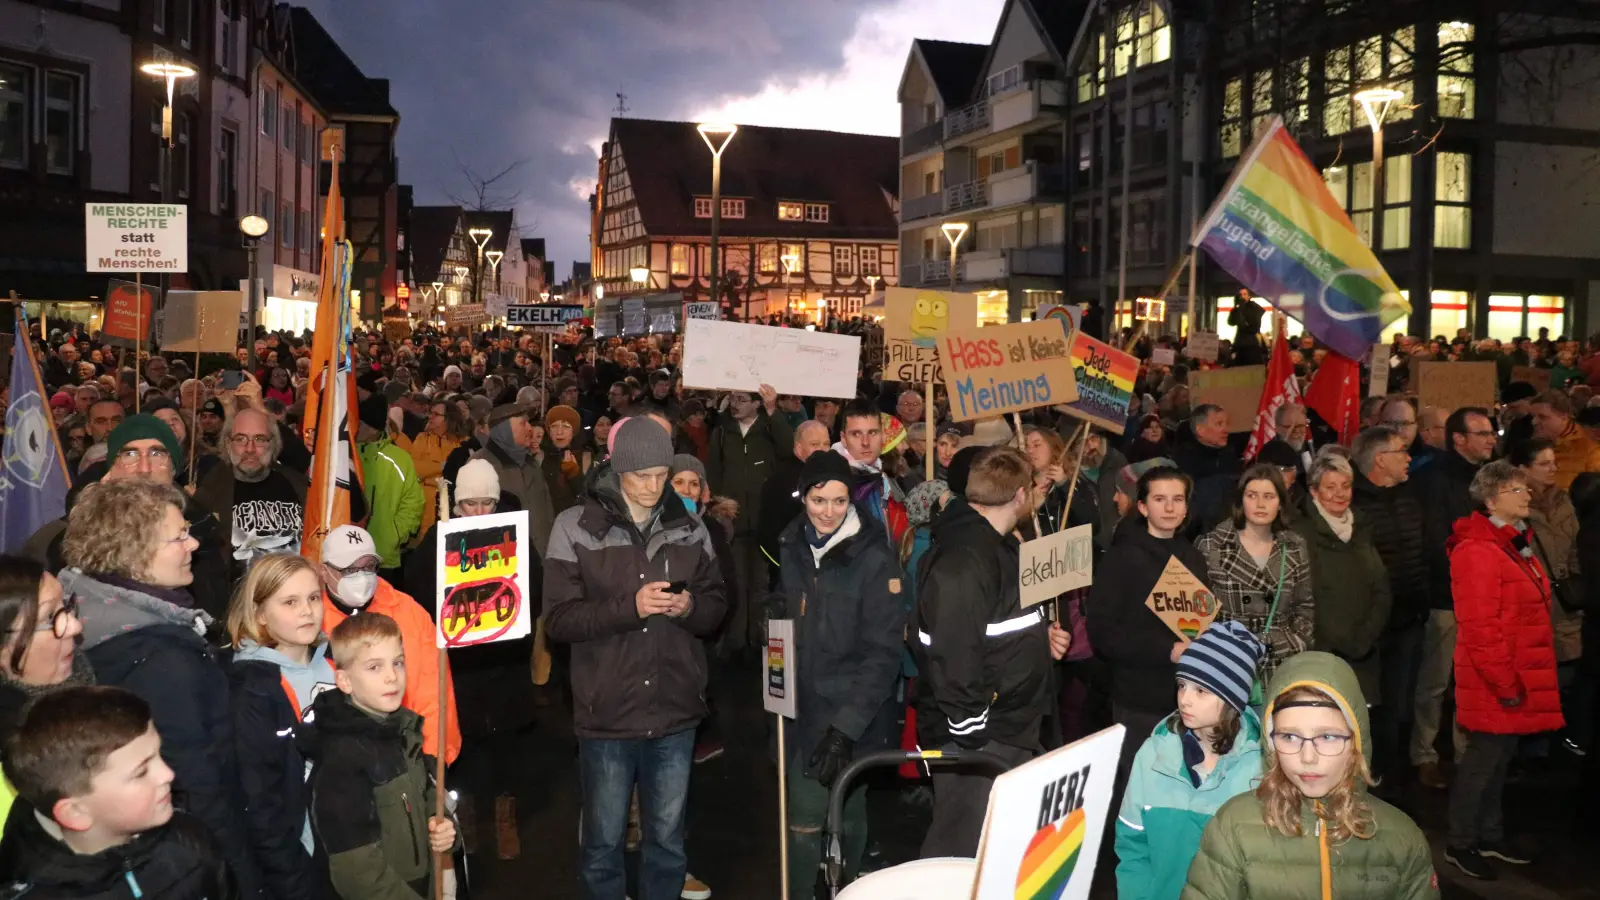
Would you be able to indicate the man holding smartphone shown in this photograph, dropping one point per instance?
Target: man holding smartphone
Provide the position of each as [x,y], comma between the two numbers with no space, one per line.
[631,581]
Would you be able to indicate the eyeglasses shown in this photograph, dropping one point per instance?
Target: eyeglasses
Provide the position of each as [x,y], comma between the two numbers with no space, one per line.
[355,570]
[1514,490]
[1326,744]
[1482,434]
[245,440]
[61,619]
[158,457]
[182,536]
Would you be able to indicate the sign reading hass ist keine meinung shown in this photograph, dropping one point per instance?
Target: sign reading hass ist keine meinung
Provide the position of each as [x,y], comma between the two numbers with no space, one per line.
[136,237]
[1006,368]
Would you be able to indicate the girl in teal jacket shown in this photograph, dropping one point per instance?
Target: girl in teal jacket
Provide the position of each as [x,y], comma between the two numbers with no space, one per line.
[1203,755]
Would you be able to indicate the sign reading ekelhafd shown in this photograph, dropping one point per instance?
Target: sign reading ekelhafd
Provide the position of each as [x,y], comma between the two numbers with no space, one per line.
[542,315]
[136,237]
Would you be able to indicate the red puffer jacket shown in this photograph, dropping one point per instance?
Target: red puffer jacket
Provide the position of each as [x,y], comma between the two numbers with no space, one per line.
[1504,645]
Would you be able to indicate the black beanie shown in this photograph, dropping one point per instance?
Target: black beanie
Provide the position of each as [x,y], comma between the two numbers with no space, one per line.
[822,467]
[1518,390]
[1280,454]
[960,467]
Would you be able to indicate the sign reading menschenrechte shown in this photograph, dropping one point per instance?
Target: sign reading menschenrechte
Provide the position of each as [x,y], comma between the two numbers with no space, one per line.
[542,315]
[136,237]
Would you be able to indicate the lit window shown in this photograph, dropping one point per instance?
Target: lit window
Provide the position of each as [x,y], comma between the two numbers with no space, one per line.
[1337,108]
[843,260]
[1546,312]
[1397,202]
[680,259]
[1232,114]
[794,257]
[733,209]
[1456,90]
[816,212]
[702,207]
[1351,187]
[1297,90]
[1260,102]
[869,260]
[1124,48]
[1154,35]
[1452,193]
[1448,312]
[791,212]
[769,258]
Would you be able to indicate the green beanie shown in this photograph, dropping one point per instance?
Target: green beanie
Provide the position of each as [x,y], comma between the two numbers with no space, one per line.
[142,427]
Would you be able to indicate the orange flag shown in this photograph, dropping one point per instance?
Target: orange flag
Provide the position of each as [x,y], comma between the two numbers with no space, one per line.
[329,426]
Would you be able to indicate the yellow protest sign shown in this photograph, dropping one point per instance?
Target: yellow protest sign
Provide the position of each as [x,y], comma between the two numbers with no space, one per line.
[1182,602]
[913,319]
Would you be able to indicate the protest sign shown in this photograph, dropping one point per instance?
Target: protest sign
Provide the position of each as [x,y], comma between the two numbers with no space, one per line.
[396,330]
[1104,377]
[635,321]
[200,322]
[700,310]
[1539,378]
[136,237]
[1005,368]
[1042,832]
[1237,390]
[778,686]
[483,590]
[495,305]
[872,347]
[1182,602]
[466,315]
[1070,317]
[1055,564]
[127,315]
[1164,356]
[542,316]
[732,356]
[1449,386]
[912,320]
[1203,345]
[1379,385]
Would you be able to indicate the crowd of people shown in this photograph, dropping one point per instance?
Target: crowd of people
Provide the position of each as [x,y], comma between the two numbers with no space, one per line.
[190,708]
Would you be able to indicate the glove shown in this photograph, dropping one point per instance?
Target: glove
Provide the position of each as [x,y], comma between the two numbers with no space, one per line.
[831,756]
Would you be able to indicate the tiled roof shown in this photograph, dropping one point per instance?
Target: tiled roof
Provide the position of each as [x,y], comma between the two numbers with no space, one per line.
[669,166]
[432,227]
[330,75]
[955,67]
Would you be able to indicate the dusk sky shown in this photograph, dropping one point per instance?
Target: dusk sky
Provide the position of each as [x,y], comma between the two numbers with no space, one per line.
[491,82]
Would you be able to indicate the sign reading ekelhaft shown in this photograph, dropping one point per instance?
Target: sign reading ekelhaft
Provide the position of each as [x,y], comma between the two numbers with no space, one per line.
[553,317]
[136,237]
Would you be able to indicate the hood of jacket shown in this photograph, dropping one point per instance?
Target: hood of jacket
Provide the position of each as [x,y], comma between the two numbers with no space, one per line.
[337,717]
[109,610]
[1332,676]
[303,678]
[605,489]
[55,866]
[1478,527]
[960,525]
[1246,749]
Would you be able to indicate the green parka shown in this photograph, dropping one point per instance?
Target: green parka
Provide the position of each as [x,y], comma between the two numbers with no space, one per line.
[1242,857]
[1352,590]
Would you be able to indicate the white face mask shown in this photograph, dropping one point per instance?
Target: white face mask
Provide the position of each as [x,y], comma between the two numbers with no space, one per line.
[357,588]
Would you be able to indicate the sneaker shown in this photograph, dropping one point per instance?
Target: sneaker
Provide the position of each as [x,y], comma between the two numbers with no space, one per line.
[706,751]
[1429,776]
[694,888]
[1504,852]
[1470,862]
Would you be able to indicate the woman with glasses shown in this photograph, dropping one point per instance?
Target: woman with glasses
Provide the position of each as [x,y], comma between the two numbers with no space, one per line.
[1311,828]
[130,556]
[445,430]
[1505,661]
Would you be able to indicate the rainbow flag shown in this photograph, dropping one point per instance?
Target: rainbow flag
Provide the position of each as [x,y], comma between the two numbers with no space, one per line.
[1278,229]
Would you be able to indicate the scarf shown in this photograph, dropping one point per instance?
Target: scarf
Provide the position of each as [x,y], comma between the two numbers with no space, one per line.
[821,543]
[501,435]
[1517,534]
[1343,526]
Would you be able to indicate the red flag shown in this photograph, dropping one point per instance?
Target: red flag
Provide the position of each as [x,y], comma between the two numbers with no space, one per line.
[1335,393]
[1280,389]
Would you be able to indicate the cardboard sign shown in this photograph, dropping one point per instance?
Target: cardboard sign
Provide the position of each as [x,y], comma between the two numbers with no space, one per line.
[1042,832]
[1055,564]
[136,237]
[467,315]
[1539,378]
[872,348]
[1203,345]
[700,310]
[127,313]
[543,316]
[1449,386]
[495,305]
[913,319]
[1237,390]
[395,331]
[483,564]
[778,687]
[1182,602]
[1164,356]
[1104,377]
[733,356]
[201,321]
[1070,317]
[1005,368]
[1379,385]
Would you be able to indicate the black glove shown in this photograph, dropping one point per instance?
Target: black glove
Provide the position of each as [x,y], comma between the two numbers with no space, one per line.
[831,756]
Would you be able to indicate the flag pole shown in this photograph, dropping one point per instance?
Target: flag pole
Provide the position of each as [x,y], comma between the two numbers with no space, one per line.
[443,665]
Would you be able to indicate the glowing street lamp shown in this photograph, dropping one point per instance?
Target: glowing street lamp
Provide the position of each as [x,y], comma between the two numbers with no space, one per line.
[954,232]
[253,228]
[641,275]
[1375,102]
[717,137]
[480,236]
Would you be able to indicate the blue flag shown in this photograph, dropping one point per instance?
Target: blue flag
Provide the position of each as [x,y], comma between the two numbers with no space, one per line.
[33,482]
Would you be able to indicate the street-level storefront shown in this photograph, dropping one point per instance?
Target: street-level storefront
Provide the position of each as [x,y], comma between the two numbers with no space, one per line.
[291,299]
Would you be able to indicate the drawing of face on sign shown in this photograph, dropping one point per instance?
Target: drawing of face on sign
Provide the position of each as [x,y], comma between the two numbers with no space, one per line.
[929,316]
[483,590]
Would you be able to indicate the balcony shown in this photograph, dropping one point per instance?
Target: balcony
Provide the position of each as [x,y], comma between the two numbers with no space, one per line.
[997,265]
[922,207]
[1032,181]
[969,195]
[967,119]
[931,272]
[924,138]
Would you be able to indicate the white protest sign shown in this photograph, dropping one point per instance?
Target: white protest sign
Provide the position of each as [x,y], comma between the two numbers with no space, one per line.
[778,687]
[483,586]
[542,316]
[1055,564]
[1041,836]
[136,237]
[1203,345]
[1164,356]
[700,310]
[732,356]
[495,305]
[1380,371]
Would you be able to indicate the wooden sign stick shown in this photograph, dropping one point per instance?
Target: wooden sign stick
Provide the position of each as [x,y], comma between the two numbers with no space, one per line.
[927,437]
[443,663]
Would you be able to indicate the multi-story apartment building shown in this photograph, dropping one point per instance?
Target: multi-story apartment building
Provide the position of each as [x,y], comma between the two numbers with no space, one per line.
[807,224]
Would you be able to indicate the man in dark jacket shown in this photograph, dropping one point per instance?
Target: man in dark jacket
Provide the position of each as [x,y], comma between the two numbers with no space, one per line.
[780,502]
[260,503]
[1446,484]
[985,666]
[1204,455]
[744,449]
[509,448]
[631,581]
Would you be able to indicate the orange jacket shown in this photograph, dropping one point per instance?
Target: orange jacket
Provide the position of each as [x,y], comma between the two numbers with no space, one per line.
[422,664]
[428,454]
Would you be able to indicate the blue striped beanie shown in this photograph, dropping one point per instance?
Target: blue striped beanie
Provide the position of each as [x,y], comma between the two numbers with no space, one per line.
[1223,660]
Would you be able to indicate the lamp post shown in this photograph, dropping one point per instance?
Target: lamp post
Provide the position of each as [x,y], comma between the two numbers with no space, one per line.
[169,72]
[1375,102]
[480,236]
[717,138]
[953,233]
[790,261]
[641,276]
[253,228]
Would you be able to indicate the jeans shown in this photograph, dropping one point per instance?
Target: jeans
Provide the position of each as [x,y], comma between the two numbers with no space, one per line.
[1475,798]
[808,807]
[608,769]
[1433,680]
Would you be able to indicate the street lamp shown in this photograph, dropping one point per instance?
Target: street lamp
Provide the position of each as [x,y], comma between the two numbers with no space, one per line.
[717,138]
[169,72]
[954,232]
[253,228]
[641,275]
[461,279]
[790,263]
[1375,102]
[480,236]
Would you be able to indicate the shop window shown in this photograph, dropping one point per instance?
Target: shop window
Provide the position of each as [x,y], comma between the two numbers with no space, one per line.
[1516,315]
[1232,118]
[1457,91]
[1452,214]
[1449,312]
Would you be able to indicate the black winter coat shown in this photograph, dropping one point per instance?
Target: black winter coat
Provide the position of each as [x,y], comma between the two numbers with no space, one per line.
[1396,515]
[177,861]
[1216,472]
[1125,633]
[779,508]
[738,465]
[849,619]
[272,783]
[1446,487]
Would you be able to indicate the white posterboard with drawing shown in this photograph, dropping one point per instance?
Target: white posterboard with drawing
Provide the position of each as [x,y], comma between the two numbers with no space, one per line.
[732,356]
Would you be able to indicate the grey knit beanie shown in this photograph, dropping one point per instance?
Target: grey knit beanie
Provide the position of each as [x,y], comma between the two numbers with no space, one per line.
[688,462]
[640,443]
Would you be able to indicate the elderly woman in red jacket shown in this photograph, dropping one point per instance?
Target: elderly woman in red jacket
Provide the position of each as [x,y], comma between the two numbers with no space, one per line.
[1505,661]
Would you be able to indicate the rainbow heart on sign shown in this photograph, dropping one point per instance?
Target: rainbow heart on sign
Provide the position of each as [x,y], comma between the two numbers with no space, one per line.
[1189,627]
[1052,855]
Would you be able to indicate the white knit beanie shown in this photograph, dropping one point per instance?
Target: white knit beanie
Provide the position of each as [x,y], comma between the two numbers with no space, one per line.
[477,480]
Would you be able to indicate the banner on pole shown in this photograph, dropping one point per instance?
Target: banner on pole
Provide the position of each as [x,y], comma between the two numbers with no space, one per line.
[778,687]
[483,564]
[136,237]
[1104,377]
[200,322]
[1005,368]
[1379,385]
[33,470]
[542,316]
[1449,386]
[1055,564]
[913,319]
[1182,602]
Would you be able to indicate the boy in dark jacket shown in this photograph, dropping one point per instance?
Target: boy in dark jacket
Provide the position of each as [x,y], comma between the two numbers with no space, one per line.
[370,790]
[95,817]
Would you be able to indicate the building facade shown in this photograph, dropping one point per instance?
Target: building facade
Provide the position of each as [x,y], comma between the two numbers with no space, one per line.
[807,223]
